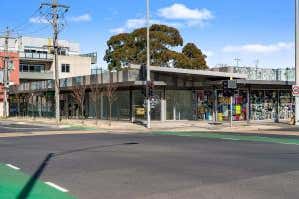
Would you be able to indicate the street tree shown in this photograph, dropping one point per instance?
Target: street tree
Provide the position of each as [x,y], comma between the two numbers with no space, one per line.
[96,90]
[195,55]
[131,48]
[110,92]
[79,92]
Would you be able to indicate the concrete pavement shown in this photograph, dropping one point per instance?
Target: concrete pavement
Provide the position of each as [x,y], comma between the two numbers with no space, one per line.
[48,126]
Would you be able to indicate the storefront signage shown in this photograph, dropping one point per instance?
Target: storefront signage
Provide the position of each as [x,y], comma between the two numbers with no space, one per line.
[295,90]
[140,111]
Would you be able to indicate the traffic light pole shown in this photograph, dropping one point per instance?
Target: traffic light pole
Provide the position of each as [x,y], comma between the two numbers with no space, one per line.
[231,107]
[231,112]
[297,59]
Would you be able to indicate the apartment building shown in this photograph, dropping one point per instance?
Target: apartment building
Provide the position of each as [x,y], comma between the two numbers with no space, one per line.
[32,59]
[37,59]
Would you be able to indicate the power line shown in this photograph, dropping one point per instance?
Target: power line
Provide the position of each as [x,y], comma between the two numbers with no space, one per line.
[23,24]
[6,60]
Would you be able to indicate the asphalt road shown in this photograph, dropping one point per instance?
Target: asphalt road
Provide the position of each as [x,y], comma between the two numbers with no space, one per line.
[11,127]
[105,166]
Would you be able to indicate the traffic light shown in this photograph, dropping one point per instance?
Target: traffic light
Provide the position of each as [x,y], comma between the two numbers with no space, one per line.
[150,86]
[227,91]
[142,72]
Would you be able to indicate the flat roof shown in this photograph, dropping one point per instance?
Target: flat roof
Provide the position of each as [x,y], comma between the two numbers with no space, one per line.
[265,82]
[182,71]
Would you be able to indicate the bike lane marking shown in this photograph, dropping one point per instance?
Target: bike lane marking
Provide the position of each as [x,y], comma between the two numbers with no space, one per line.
[13,182]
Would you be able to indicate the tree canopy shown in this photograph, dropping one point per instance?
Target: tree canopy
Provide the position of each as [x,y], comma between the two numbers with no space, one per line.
[131,48]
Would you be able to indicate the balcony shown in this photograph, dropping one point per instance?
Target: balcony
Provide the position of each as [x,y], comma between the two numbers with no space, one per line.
[36,56]
[47,75]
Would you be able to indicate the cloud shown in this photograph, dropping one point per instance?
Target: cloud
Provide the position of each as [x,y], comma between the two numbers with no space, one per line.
[176,15]
[259,48]
[133,24]
[81,18]
[182,12]
[38,20]
[118,30]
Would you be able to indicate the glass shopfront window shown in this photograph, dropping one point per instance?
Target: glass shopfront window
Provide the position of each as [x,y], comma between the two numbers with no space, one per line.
[238,109]
[264,104]
[205,105]
[287,105]
[179,105]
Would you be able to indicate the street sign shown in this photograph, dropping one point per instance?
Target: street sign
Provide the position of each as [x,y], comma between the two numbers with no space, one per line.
[295,90]
[232,84]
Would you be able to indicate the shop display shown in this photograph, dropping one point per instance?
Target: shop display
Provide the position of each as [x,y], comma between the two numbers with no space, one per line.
[204,105]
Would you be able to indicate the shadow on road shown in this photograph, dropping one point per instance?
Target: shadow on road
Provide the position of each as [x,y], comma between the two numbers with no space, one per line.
[30,184]
[34,178]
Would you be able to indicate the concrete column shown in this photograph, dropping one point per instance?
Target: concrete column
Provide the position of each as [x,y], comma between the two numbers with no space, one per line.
[174,109]
[163,105]
[102,105]
[163,110]
[132,114]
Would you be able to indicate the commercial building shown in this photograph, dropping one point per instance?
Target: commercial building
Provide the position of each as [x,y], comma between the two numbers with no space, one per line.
[179,94]
[33,60]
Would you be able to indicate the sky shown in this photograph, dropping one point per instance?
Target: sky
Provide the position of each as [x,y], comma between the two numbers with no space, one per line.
[253,31]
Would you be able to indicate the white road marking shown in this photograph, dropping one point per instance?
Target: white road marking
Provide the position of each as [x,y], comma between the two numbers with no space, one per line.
[234,139]
[57,187]
[13,167]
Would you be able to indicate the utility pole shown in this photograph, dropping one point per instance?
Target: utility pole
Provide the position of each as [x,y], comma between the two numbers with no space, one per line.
[257,62]
[237,60]
[148,75]
[297,58]
[6,75]
[6,70]
[55,24]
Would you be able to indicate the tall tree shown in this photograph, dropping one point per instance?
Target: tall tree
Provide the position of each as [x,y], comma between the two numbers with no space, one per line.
[197,58]
[127,48]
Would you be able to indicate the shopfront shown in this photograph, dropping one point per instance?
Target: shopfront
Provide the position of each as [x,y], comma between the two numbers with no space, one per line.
[178,94]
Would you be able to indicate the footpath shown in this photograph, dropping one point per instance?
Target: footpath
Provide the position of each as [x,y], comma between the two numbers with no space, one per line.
[120,127]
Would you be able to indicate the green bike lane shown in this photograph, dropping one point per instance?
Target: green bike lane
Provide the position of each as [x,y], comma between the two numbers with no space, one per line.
[15,184]
[235,137]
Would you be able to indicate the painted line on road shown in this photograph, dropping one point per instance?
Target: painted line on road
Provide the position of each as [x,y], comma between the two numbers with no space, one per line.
[234,139]
[57,187]
[13,167]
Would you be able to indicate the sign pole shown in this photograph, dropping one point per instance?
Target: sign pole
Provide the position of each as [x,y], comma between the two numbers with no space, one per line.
[231,108]
[297,59]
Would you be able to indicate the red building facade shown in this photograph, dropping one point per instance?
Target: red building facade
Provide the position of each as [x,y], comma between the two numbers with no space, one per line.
[13,74]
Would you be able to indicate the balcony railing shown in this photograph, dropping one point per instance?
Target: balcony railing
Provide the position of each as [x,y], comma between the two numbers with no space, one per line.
[38,56]
[37,75]
[104,78]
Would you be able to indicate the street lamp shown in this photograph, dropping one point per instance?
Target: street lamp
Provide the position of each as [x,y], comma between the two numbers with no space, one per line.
[148,75]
